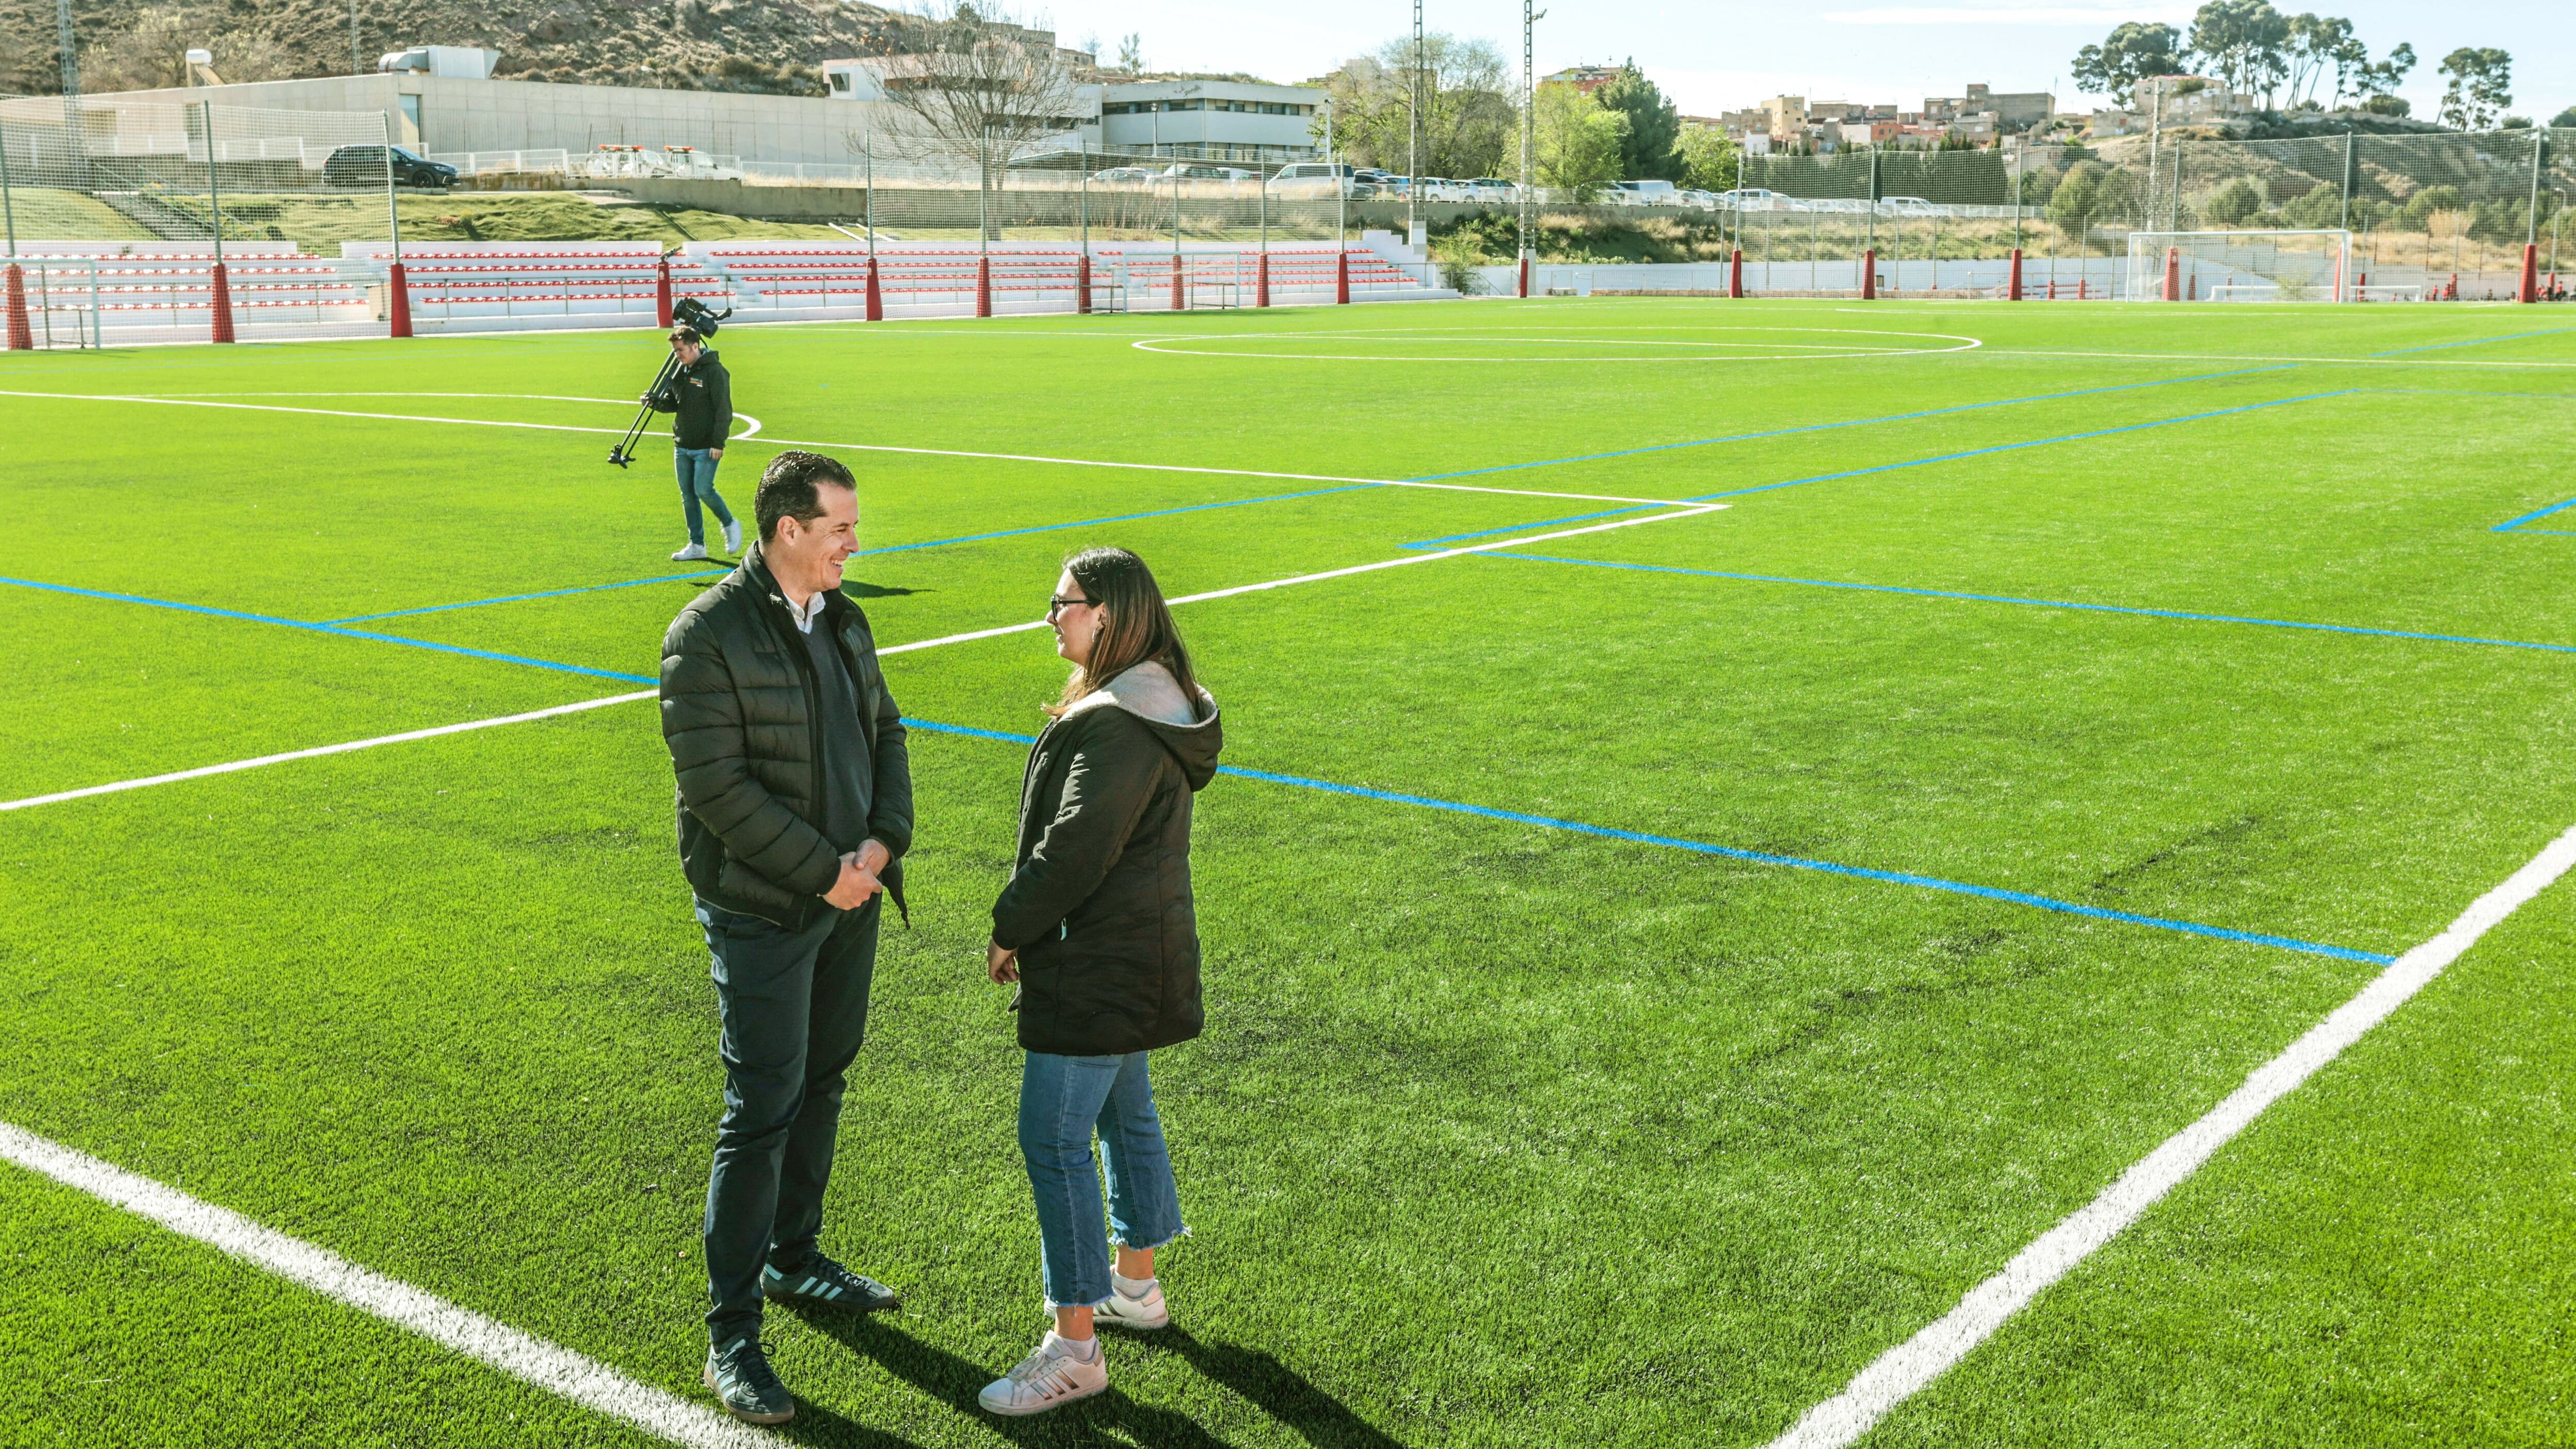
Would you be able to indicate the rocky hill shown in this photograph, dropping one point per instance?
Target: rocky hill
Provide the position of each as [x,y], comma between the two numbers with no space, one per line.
[736,45]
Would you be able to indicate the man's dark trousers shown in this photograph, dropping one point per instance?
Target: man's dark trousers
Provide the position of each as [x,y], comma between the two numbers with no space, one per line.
[795,1007]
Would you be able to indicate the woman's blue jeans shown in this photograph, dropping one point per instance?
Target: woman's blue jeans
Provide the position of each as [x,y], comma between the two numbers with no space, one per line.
[1062,1101]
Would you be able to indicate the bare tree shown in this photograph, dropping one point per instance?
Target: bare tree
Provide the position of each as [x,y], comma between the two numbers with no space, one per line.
[980,87]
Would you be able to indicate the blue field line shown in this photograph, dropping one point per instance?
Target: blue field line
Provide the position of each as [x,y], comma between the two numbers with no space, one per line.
[1329,787]
[871,552]
[2049,603]
[332,629]
[1853,423]
[521,598]
[2516,524]
[2473,342]
[1670,842]
[1909,463]
[2474,392]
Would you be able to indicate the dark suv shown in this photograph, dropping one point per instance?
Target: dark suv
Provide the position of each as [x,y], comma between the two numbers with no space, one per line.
[365,166]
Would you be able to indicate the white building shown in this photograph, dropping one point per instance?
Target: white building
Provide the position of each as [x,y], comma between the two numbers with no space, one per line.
[1219,120]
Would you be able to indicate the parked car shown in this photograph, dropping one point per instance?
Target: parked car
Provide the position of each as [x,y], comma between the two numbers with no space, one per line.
[1491,189]
[1316,178]
[1200,171]
[1753,198]
[1644,193]
[1704,200]
[1908,206]
[365,166]
[1127,173]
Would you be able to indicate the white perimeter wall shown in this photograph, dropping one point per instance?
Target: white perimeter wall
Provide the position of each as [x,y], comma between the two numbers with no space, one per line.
[457,114]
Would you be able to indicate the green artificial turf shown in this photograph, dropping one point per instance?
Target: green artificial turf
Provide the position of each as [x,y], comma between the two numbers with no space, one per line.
[1502,1132]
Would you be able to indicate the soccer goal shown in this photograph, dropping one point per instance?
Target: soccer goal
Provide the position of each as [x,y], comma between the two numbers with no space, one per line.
[2240,266]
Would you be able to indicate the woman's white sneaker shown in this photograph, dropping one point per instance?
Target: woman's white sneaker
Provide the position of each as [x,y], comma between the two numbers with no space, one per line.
[1134,1303]
[1054,1373]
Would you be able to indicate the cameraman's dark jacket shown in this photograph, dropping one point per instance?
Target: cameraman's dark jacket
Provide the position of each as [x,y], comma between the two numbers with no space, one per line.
[741,712]
[702,394]
[1099,905]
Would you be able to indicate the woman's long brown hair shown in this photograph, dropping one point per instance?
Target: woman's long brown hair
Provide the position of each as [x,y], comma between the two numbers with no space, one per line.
[1138,628]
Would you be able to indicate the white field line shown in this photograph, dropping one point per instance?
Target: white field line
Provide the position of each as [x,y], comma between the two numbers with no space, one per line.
[1691,511]
[811,443]
[1903,1370]
[2250,357]
[558,1370]
[319,750]
[1688,511]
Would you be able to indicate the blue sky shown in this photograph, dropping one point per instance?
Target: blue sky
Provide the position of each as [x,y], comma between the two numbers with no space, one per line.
[1715,56]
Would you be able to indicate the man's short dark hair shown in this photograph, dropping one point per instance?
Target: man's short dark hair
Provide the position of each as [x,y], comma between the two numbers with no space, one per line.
[787,488]
[685,333]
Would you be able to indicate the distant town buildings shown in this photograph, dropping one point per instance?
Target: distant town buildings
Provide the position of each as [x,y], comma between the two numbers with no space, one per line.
[1584,78]
[1981,117]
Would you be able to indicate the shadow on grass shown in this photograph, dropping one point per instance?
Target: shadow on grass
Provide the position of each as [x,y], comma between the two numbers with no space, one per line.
[1279,1391]
[955,1382]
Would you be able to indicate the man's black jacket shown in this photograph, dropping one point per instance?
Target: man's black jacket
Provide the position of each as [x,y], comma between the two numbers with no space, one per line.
[702,394]
[741,714]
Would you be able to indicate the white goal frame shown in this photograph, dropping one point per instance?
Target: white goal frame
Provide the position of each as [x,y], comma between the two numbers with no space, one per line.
[2148,250]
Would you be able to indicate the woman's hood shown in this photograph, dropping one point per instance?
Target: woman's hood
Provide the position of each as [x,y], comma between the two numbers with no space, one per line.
[1188,728]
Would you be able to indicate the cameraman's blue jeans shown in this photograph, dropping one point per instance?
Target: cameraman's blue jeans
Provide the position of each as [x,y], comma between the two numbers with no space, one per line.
[697,470]
[1062,1100]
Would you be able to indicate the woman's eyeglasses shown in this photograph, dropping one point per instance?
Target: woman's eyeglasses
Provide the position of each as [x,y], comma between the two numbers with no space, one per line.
[1056,605]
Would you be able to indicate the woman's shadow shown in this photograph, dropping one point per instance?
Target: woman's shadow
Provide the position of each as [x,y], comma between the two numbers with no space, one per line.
[1279,1391]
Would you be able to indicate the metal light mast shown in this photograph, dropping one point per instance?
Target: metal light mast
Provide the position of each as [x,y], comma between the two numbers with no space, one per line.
[1413,134]
[1529,121]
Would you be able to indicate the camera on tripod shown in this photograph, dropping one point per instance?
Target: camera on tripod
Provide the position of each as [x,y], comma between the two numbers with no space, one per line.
[686,312]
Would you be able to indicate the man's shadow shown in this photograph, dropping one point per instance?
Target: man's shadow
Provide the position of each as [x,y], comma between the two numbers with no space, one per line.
[1277,1390]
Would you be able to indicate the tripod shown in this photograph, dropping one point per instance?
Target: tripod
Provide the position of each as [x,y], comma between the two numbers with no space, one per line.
[624,452]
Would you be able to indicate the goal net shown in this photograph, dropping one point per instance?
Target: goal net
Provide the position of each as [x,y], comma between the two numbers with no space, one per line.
[2240,266]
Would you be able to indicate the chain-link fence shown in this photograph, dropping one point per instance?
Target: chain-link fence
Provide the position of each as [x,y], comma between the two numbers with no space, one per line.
[2448,214]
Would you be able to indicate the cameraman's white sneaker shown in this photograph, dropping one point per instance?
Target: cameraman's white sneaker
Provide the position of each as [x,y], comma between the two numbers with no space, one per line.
[1134,1303]
[692,552]
[733,536]
[1054,1373]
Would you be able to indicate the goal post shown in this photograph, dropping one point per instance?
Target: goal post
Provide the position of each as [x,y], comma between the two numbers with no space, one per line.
[2240,266]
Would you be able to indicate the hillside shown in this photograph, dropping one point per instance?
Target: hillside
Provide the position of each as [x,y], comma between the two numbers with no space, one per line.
[735,45]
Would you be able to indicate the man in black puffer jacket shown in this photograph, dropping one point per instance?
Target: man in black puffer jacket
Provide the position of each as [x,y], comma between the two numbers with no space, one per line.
[795,805]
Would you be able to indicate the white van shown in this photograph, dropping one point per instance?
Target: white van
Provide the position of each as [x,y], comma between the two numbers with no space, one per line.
[1315,178]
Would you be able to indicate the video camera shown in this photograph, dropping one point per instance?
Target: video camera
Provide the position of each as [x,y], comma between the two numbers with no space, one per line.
[685,312]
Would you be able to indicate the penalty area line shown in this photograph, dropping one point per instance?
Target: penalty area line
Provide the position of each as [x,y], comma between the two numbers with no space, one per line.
[1904,1370]
[523,1356]
[233,766]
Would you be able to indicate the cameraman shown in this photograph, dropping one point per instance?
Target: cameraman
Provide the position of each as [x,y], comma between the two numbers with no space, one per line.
[701,392]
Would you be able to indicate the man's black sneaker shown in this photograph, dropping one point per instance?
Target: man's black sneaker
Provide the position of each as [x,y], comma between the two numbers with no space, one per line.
[739,1374]
[823,1281]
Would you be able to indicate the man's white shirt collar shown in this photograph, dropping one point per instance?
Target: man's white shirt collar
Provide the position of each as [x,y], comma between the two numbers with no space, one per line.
[806,616]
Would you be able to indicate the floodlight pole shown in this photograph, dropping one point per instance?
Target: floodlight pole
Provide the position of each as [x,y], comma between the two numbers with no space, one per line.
[393,208]
[1413,134]
[2531,219]
[354,68]
[1529,121]
[2155,155]
[8,208]
[2347,181]
[1341,184]
[214,201]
